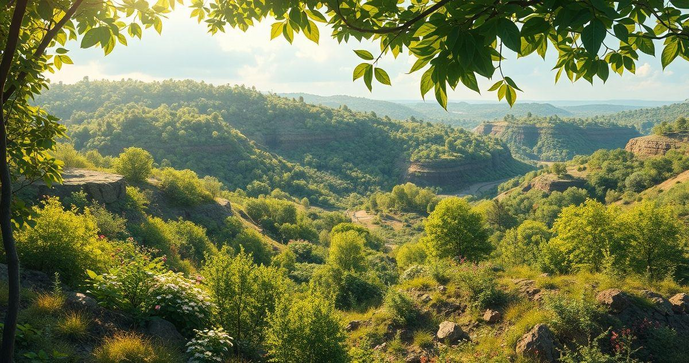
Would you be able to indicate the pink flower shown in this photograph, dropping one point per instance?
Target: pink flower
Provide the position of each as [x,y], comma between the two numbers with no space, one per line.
[164,258]
[157,307]
[101,236]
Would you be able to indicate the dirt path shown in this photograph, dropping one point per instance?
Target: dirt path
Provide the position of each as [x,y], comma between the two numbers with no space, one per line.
[478,188]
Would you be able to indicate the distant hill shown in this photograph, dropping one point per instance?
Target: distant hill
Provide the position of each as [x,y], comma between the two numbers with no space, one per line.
[554,139]
[598,109]
[360,104]
[644,119]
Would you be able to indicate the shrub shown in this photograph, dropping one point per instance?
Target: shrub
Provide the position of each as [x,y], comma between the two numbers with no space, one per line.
[129,347]
[305,330]
[109,225]
[127,286]
[573,318]
[183,186]
[62,241]
[135,164]
[253,244]
[400,307]
[347,251]
[479,284]
[411,254]
[306,252]
[181,301]
[193,242]
[70,157]
[245,293]
[209,345]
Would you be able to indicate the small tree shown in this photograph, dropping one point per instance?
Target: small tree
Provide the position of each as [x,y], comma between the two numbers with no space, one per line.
[559,169]
[347,251]
[135,164]
[454,230]
[306,331]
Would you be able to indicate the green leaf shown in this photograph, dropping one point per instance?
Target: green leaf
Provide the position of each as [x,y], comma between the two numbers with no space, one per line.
[276,30]
[621,32]
[511,83]
[682,4]
[91,38]
[368,77]
[134,30]
[359,70]
[469,80]
[420,63]
[311,32]
[91,274]
[670,52]
[509,33]
[501,92]
[646,45]
[592,36]
[511,96]
[364,54]
[535,25]
[603,70]
[426,81]
[495,86]
[441,94]
[382,76]
[316,15]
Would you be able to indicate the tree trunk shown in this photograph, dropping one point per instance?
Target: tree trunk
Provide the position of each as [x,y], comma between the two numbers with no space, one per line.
[10,330]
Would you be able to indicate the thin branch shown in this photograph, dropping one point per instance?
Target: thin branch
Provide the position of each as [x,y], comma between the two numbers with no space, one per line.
[399,28]
[40,50]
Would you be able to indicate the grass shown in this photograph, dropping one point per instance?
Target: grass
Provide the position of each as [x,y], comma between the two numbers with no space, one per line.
[47,303]
[74,325]
[130,347]
[423,339]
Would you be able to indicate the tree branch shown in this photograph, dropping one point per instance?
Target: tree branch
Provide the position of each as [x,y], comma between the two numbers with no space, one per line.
[399,28]
[45,42]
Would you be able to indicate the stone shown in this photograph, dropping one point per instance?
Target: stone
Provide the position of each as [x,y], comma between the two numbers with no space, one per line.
[381,346]
[412,358]
[82,301]
[615,300]
[538,344]
[680,303]
[491,316]
[426,298]
[661,304]
[528,288]
[451,332]
[353,325]
[165,331]
[442,288]
[105,188]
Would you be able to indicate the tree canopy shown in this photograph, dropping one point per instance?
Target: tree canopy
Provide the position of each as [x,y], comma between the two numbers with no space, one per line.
[458,41]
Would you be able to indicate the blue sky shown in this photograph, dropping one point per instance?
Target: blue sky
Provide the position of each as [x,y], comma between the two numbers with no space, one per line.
[186,51]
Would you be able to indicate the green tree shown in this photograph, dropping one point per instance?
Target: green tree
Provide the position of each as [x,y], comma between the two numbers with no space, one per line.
[135,164]
[347,251]
[306,330]
[457,42]
[655,244]
[34,42]
[559,169]
[590,236]
[454,230]
[522,245]
[245,294]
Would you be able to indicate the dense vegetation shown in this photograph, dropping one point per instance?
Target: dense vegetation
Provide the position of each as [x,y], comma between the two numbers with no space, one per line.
[557,139]
[259,142]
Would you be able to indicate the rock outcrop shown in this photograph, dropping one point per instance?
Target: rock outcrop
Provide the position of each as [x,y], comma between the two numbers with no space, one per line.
[105,188]
[615,300]
[655,145]
[538,344]
[550,183]
[680,303]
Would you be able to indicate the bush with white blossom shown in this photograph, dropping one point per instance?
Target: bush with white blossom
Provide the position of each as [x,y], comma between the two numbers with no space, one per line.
[181,301]
[209,345]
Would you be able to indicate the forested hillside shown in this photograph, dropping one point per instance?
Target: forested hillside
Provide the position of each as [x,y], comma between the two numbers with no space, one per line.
[645,118]
[251,140]
[556,139]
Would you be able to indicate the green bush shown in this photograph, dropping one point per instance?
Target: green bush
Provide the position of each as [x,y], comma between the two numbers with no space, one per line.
[62,241]
[305,330]
[183,186]
[109,225]
[135,164]
[454,230]
[479,284]
[573,318]
[400,307]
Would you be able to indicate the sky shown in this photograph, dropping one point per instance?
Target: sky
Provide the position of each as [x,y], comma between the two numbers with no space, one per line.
[185,50]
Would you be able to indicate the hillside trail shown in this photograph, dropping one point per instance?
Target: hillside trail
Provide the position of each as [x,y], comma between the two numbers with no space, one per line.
[476,188]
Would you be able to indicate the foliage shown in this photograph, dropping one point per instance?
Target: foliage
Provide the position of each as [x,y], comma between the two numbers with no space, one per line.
[181,301]
[454,230]
[400,307]
[305,330]
[62,241]
[347,252]
[573,317]
[409,254]
[479,284]
[245,293]
[129,347]
[522,245]
[136,164]
[183,186]
[404,198]
[209,345]
[680,125]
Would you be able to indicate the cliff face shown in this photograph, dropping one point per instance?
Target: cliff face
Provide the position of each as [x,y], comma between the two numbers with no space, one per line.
[654,145]
[448,173]
[106,188]
[557,142]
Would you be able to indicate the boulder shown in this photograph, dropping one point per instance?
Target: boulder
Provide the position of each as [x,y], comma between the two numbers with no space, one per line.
[106,188]
[165,331]
[82,301]
[538,344]
[491,316]
[615,300]
[661,304]
[426,298]
[451,332]
[680,303]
